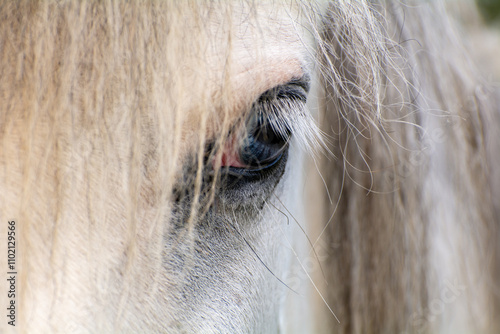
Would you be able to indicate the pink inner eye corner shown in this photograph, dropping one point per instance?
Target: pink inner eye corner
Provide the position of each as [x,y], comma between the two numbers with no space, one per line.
[230,154]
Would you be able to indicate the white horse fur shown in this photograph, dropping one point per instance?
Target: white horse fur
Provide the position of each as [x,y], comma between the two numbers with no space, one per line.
[118,121]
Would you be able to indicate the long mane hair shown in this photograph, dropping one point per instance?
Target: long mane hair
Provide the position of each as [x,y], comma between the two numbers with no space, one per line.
[414,128]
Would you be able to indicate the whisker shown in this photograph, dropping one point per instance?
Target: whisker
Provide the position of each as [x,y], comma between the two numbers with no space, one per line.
[259,258]
[305,234]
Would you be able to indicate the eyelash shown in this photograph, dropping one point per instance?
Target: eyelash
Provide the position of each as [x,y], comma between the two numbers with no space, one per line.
[264,144]
[269,134]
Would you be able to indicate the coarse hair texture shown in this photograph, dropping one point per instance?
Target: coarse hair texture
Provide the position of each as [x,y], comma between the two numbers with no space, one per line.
[409,117]
[102,138]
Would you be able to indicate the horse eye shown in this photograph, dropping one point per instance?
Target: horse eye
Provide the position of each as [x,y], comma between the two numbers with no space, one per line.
[267,132]
[265,143]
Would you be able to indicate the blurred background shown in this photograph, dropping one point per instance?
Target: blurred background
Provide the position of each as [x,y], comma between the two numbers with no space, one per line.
[480,20]
[490,10]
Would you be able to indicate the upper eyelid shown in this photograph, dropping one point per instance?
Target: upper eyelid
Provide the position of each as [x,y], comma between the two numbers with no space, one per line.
[297,87]
[304,82]
[295,91]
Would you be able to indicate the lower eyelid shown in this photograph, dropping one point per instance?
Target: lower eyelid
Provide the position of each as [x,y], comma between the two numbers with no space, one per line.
[235,171]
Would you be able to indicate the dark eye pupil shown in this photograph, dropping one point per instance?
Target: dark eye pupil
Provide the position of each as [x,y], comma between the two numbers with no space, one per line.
[263,146]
